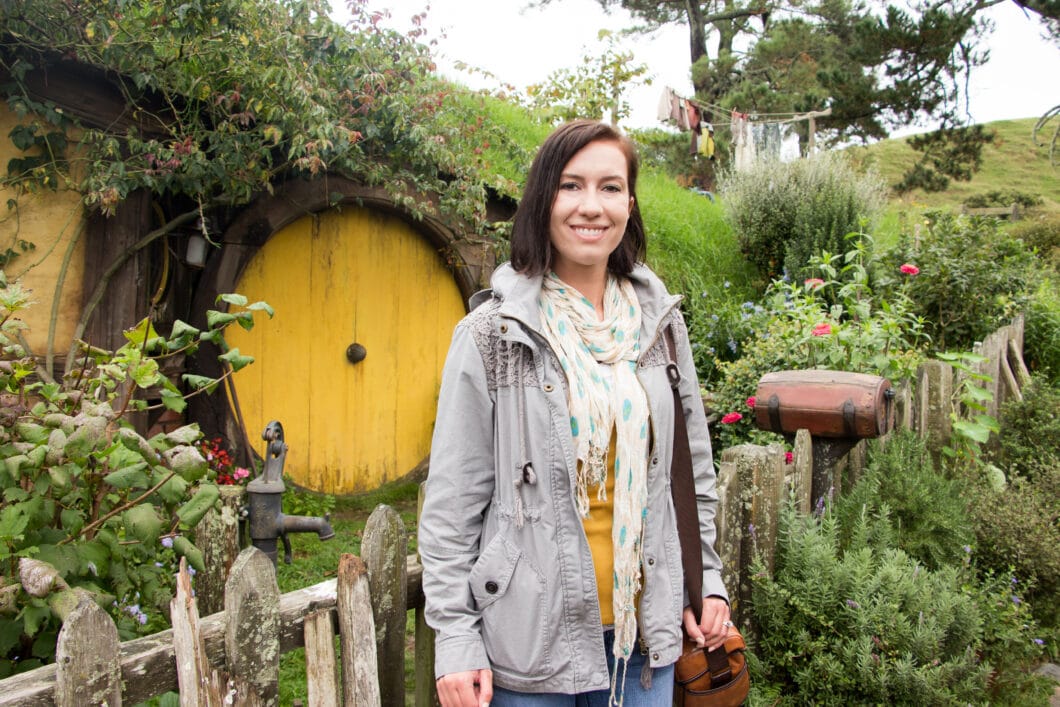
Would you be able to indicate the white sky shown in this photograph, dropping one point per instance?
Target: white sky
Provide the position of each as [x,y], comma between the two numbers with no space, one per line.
[522,47]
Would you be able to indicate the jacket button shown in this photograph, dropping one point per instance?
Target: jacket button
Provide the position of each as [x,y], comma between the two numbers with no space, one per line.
[651,561]
[654,656]
[504,328]
[548,388]
[491,587]
[654,461]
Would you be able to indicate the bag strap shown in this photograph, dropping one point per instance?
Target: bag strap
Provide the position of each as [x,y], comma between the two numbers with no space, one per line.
[683,491]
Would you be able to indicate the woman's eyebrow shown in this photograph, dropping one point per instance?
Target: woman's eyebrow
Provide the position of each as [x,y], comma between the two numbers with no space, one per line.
[609,178]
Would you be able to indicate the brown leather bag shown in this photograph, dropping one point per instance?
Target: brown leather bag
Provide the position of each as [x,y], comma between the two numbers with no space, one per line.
[702,678]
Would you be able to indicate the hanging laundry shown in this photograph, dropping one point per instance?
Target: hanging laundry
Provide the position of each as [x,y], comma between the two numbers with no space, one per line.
[706,142]
[768,141]
[693,125]
[743,142]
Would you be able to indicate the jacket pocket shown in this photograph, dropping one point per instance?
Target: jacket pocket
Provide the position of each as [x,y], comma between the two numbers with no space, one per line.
[510,594]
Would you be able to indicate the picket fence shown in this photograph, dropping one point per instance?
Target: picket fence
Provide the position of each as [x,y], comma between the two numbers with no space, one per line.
[231,656]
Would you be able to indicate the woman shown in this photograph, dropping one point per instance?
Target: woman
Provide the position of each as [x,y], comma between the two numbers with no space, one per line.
[551,564]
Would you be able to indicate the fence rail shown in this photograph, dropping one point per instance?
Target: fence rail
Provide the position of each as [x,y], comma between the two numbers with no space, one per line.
[235,651]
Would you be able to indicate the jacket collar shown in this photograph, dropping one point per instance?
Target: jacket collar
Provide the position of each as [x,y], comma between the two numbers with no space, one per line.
[518,295]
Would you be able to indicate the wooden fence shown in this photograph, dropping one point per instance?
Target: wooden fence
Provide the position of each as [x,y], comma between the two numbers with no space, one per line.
[232,655]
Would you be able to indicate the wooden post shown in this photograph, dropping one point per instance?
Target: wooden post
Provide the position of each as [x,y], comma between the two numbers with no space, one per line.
[88,670]
[729,524]
[934,405]
[360,669]
[829,463]
[383,548]
[321,688]
[217,535]
[802,475]
[198,683]
[903,406]
[252,631]
[426,689]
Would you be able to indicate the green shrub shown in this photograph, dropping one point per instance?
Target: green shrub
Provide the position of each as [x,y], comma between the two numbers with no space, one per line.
[1030,430]
[907,504]
[862,626]
[1040,232]
[783,213]
[1041,336]
[1018,535]
[1002,197]
[973,278]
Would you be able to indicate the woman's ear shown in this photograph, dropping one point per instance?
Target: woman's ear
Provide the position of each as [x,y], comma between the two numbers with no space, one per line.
[631,201]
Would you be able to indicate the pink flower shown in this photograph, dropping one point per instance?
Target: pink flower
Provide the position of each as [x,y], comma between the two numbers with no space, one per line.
[731,418]
[822,329]
[789,457]
[910,269]
[751,402]
[813,282]
[240,473]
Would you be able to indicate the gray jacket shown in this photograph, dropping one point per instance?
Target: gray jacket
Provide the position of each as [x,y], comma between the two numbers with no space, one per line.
[507,572]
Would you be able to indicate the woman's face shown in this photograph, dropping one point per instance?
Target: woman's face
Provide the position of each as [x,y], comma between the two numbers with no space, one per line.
[590,210]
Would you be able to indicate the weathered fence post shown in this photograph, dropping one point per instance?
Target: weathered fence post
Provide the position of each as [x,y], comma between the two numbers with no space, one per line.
[360,669]
[802,471]
[756,474]
[934,382]
[426,689]
[904,412]
[321,688]
[384,548]
[198,683]
[88,670]
[252,630]
[217,536]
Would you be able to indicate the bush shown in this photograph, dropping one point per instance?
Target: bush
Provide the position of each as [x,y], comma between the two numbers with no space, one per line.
[906,504]
[785,212]
[1018,534]
[1041,336]
[861,626]
[1003,197]
[1041,232]
[972,278]
[1030,431]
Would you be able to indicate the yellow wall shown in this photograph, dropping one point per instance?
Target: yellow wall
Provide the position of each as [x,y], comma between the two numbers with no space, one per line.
[54,222]
[335,279]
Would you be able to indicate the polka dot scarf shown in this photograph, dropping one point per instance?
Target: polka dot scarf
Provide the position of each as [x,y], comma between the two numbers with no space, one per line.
[599,403]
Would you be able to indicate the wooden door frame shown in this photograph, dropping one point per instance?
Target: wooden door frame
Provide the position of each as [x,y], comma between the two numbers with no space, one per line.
[469,259]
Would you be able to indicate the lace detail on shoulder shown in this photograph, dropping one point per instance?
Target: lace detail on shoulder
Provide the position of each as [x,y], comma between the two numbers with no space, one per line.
[657,355]
[507,363]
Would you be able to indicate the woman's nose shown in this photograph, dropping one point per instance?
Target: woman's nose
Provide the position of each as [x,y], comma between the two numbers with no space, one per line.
[589,203]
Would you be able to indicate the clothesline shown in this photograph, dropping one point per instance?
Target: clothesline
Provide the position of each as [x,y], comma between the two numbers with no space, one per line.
[783,118]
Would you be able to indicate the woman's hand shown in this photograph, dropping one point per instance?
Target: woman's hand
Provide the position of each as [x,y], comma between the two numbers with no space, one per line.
[473,688]
[713,629]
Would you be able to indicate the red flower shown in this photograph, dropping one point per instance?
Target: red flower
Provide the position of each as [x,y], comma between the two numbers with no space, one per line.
[813,282]
[910,269]
[751,402]
[822,329]
[731,418]
[789,457]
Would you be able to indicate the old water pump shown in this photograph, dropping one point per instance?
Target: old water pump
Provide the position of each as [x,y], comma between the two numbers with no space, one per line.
[265,493]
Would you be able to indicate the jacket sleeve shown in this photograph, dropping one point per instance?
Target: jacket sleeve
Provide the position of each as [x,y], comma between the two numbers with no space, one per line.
[702,460]
[458,490]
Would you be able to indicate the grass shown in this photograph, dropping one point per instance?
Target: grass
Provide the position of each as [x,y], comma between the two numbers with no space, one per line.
[315,561]
[1012,162]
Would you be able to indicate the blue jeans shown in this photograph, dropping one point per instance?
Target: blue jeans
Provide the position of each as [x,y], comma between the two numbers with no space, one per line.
[659,695]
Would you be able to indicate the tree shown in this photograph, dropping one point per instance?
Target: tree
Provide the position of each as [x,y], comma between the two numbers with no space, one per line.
[591,89]
[877,66]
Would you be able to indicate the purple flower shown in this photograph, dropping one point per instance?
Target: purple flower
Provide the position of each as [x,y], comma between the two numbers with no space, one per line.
[968,549]
[1039,641]
[1016,600]
[853,604]
[167,541]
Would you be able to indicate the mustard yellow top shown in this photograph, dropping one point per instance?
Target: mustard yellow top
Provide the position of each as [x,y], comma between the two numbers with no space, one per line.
[598,531]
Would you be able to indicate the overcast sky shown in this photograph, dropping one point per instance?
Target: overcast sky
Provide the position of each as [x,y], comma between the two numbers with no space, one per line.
[523,46]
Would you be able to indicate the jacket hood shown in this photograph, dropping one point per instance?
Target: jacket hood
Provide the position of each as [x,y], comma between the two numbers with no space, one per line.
[518,294]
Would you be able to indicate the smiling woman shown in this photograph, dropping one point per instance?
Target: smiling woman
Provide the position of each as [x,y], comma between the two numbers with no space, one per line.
[551,455]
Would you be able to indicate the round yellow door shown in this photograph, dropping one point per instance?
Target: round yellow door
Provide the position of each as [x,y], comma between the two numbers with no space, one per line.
[346,284]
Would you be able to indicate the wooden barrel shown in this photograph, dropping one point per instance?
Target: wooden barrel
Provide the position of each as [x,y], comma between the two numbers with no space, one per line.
[834,404]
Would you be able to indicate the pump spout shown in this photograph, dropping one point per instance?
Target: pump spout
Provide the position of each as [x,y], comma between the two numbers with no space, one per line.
[309,524]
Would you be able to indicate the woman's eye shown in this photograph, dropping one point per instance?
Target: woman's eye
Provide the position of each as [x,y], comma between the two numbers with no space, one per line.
[568,186]
[613,188]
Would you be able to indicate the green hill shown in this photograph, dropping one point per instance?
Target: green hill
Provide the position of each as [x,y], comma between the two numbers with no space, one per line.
[1012,162]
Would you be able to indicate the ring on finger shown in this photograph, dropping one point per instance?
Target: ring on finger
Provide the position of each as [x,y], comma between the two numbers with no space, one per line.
[728,624]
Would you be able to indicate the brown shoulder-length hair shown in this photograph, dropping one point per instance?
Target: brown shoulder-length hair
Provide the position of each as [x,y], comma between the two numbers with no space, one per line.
[531,242]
